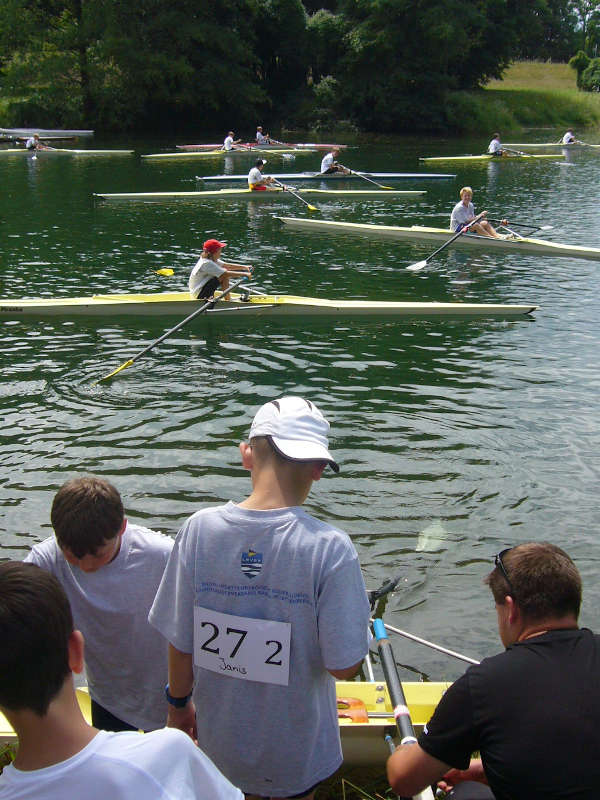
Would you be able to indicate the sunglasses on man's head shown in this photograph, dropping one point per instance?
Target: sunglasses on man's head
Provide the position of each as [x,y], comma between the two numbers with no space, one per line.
[500,564]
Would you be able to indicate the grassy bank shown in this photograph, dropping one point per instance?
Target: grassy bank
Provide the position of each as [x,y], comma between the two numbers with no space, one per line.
[531,94]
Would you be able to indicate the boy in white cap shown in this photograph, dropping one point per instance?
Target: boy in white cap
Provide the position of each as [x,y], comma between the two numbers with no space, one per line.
[263,606]
[257,182]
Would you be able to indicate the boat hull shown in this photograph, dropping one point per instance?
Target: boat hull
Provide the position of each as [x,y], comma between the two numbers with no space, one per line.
[224,194]
[553,146]
[44,132]
[296,177]
[485,158]
[363,743]
[424,234]
[222,153]
[61,151]
[270,306]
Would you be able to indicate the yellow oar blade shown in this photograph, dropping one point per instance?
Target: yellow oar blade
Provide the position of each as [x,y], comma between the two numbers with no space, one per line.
[167,271]
[115,371]
[312,208]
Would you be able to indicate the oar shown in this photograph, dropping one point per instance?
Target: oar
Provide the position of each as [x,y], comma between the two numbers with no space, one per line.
[385,588]
[364,177]
[177,327]
[297,196]
[433,645]
[420,264]
[166,272]
[392,679]
[525,225]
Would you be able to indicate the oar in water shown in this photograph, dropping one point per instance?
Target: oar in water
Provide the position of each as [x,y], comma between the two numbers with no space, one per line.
[177,327]
[297,196]
[420,264]
[392,679]
[364,177]
[165,271]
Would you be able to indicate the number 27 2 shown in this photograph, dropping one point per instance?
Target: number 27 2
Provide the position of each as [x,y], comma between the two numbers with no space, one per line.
[242,635]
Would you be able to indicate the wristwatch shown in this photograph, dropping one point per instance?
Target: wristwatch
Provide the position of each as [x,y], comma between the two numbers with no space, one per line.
[177,702]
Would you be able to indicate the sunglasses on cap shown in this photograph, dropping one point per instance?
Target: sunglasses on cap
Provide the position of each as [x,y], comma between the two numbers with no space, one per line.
[500,565]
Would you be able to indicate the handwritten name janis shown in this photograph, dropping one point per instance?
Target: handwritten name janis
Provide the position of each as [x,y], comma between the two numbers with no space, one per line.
[225,667]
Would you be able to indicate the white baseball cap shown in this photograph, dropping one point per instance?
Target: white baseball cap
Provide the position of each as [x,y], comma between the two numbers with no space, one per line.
[296,428]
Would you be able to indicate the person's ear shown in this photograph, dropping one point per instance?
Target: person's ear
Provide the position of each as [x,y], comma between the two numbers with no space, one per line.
[318,469]
[246,453]
[75,648]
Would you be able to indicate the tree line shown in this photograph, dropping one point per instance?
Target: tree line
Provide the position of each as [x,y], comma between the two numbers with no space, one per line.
[373,65]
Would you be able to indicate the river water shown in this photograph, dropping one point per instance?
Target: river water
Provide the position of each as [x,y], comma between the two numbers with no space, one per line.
[455,439]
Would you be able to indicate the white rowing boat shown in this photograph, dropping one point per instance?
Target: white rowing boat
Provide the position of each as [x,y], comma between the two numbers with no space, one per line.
[486,157]
[61,151]
[295,177]
[365,715]
[272,146]
[553,145]
[44,132]
[225,194]
[270,306]
[424,234]
[221,153]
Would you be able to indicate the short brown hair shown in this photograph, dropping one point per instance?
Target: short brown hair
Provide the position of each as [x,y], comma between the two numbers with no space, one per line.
[544,581]
[86,513]
[35,625]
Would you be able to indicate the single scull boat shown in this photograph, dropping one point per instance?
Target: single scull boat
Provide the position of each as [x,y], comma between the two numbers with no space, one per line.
[43,132]
[421,233]
[294,177]
[272,306]
[219,153]
[271,146]
[556,145]
[220,194]
[485,157]
[60,151]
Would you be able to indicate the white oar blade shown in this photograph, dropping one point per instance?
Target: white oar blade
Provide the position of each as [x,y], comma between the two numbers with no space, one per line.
[417,266]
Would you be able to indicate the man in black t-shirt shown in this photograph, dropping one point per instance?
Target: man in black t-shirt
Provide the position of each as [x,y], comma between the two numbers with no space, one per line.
[532,711]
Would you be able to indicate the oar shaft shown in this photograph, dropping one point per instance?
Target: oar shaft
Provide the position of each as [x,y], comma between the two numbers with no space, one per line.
[392,679]
[464,229]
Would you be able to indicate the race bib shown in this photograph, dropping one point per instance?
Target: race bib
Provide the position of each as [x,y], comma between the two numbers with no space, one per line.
[242,647]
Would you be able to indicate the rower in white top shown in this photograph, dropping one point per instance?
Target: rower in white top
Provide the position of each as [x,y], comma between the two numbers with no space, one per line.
[464,212]
[495,147]
[329,164]
[262,138]
[257,182]
[230,143]
[569,138]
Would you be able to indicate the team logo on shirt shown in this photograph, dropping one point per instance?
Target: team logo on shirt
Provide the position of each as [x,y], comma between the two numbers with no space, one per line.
[251,563]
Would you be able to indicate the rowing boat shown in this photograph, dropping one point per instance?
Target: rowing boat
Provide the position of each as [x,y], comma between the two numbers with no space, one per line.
[557,145]
[295,177]
[43,132]
[366,716]
[486,157]
[220,194]
[421,233]
[272,306]
[64,152]
[270,146]
[221,153]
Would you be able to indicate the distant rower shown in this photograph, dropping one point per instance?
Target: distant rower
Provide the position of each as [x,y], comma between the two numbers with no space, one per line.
[329,164]
[569,138]
[258,182]
[494,147]
[230,143]
[262,138]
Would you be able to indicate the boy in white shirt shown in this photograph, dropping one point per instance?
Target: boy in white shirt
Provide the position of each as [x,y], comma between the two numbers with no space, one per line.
[210,273]
[60,755]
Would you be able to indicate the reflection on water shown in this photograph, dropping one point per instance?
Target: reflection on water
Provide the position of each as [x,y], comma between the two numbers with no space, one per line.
[455,439]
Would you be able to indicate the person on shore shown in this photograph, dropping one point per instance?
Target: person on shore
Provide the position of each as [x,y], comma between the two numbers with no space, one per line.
[230,143]
[257,182]
[464,212]
[532,711]
[569,138]
[495,147]
[263,607]
[329,164]
[210,273]
[60,755]
[110,570]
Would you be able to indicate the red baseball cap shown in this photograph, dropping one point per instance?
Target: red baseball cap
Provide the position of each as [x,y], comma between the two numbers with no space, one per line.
[212,245]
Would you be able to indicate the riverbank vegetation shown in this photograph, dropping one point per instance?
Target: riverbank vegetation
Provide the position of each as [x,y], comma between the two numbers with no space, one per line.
[387,66]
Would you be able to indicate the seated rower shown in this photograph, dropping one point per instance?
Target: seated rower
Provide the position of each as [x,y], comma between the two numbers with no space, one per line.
[210,273]
[329,164]
[230,143]
[569,138]
[34,143]
[464,212]
[257,182]
[262,138]
[495,148]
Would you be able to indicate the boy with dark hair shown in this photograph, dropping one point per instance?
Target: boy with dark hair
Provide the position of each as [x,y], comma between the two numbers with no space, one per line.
[110,571]
[263,606]
[60,755]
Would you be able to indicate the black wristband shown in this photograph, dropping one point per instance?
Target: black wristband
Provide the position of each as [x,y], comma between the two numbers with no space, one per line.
[176,702]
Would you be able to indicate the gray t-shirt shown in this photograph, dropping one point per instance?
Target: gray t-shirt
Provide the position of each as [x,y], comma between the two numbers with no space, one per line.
[268,738]
[461,214]
[125,657]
